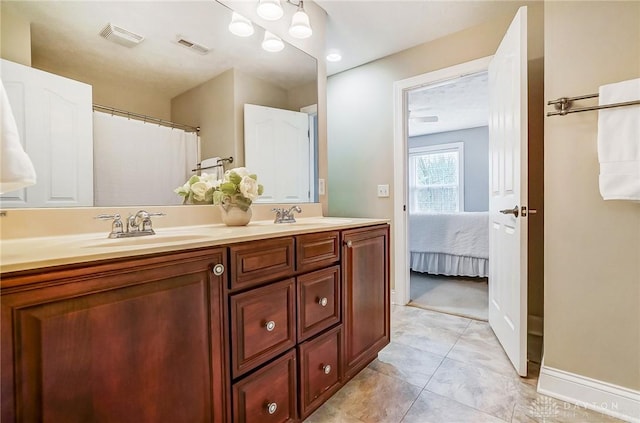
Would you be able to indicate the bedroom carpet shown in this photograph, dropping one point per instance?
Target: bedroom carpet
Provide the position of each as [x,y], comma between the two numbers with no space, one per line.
[466,297]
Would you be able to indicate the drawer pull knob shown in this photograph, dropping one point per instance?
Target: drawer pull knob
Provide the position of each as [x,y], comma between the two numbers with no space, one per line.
[323,301]
[326,368]
[272,407]
[270,325]
[218,269]
[349,244]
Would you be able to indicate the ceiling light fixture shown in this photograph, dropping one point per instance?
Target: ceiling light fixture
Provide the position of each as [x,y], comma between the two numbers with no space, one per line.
[300,27]
[272,43]
[334,56]
[270,10]
[240,26]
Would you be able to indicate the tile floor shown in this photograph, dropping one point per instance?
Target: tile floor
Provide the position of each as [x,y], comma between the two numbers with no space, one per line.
[441,368]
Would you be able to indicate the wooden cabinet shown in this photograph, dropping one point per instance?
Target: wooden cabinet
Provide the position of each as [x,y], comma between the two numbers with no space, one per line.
[268,395]
[161,338]
[320,369]
[257,262]
[319,305]
[314,251]
[128,341]
[262,325]
[366,296]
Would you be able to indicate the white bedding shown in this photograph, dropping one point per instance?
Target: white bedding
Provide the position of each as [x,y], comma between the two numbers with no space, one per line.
[450,243]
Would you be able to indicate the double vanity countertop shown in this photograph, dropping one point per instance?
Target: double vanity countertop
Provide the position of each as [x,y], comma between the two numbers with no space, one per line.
[23,254]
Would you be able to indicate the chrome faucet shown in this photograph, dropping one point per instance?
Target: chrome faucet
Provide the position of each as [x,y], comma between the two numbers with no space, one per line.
[138,224]
[286,216]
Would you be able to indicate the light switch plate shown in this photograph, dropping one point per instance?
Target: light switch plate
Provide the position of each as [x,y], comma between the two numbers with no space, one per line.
[320,186]
[383,190]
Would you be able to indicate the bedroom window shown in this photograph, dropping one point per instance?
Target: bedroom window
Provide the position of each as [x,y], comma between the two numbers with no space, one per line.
[436,181]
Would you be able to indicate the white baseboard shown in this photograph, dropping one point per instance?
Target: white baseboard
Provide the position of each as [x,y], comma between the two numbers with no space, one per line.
[535,325]
[603,397]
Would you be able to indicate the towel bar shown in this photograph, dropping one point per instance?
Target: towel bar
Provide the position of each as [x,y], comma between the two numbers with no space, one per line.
[563,105]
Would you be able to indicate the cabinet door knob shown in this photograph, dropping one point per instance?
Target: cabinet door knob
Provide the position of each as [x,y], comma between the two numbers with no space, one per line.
[326,369]
[270,325]
[349,244]
[218,269]
[323,301]
[272,407]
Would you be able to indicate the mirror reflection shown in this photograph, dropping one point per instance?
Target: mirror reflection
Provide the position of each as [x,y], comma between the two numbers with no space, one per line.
[112,78]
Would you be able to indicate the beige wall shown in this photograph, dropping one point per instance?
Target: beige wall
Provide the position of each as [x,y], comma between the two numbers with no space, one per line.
[211,107]
[592,247]
[360,126]
[15,38]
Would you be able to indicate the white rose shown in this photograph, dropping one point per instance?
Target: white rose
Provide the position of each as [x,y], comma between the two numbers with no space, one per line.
[249,187]
[240,171]
[199,190]
[208,177]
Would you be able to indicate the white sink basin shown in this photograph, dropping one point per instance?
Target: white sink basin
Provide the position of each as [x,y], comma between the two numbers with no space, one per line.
[145,240]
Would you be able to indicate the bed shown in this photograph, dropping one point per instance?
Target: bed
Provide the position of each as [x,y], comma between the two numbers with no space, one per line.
[453,244]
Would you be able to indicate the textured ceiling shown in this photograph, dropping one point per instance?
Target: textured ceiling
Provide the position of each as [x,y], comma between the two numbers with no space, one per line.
[457,104]
[67,32]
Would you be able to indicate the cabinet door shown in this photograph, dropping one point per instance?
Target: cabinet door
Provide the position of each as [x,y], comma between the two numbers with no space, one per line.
[269,394]
[366,298]
[142,343]
[318,301]
[257,262]
[320,369]
[262,325]
[318,250]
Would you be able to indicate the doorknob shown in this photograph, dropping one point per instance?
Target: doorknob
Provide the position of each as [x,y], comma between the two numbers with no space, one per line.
[514,211]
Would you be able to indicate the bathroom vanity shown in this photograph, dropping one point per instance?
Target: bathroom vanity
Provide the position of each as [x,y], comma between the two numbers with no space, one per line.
[262,324]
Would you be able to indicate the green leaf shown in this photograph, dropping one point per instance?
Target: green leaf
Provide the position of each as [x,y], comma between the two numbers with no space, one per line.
[228,188]
[234,178]
[194,179]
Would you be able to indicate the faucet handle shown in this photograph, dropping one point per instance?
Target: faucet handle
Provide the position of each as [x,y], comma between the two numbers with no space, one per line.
[116,226]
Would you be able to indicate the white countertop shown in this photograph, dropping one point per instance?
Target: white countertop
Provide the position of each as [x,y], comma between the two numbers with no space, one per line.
[38,252]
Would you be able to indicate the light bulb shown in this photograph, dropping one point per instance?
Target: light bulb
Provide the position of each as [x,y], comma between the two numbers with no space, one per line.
[272,43]
[240,25]
[270,10]
[300,27]
[334,56]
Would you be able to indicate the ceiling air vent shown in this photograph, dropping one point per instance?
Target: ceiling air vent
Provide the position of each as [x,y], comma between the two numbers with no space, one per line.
[193,46]
[121,36]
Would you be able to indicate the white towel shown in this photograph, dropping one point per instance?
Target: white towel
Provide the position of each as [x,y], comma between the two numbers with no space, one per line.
[17,170]
[213,161]
[619,142]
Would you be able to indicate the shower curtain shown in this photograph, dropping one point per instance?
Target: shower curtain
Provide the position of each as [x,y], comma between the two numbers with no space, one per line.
[138,163]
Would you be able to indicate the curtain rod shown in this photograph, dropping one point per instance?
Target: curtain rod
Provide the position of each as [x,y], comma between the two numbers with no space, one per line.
[563,105]
[145,118]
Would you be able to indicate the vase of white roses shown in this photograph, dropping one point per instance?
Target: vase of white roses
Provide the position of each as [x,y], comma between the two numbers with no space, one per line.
[234,194]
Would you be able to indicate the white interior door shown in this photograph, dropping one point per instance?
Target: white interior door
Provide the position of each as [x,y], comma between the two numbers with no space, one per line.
[277,149]
[54,118]
[508,192]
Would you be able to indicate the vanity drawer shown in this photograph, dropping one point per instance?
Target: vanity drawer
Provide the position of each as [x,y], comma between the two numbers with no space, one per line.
[314,251]
[262,325]
[268,395]
[320,368]
[259,261]
[318,301]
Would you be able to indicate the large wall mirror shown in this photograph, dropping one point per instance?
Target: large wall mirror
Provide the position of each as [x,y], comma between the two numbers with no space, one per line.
[189,69]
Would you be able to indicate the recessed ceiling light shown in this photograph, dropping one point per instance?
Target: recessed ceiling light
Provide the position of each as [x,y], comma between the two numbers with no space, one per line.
[334,56]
